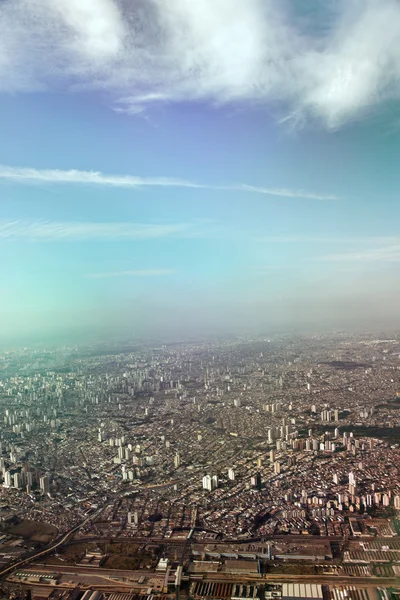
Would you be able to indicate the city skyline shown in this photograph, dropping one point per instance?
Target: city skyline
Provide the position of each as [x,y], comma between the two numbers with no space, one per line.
[176,185]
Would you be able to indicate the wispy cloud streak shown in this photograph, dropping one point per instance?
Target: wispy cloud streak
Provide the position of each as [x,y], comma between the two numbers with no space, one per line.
[50,231]
[96,178]
[383,254]
[134,273]
[301,239]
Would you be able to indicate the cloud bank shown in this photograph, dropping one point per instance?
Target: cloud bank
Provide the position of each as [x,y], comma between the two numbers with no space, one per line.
[334,63]
[56,176]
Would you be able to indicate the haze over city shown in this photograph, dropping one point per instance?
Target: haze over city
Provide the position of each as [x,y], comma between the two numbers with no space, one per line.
[200,333]
[183,169]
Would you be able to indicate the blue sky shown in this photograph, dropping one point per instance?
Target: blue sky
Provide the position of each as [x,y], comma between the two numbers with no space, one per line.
[217,167]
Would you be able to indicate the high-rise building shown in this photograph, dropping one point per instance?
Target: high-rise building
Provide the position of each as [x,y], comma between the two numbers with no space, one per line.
[45,485]
[256,481]
[17,480]
[231,474]
[272,456]
[277,467]
[177,461]
[207,483]
[210,482]
[7,479]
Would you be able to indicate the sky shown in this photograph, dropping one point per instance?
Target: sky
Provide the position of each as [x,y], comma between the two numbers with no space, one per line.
[218,167]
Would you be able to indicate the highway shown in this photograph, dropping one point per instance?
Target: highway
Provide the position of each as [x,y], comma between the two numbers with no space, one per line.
[51,548]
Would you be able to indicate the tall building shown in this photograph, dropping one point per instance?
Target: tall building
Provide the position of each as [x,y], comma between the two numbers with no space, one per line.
[45,485]
[256,481]
[231,474]
[7,479]
[17,480]
[207,483]
[277,467]
[177,461]
[210,482]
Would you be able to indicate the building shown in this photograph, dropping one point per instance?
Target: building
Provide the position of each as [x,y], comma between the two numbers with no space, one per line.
[17,480]
[207,483]
[45,485]
[256,481]
[7,479]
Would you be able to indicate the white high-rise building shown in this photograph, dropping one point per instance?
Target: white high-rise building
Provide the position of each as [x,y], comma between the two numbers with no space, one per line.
[7,479]
[231,474]
[177,461]
[17,480]
[45,485]
[210,482]
[207,483]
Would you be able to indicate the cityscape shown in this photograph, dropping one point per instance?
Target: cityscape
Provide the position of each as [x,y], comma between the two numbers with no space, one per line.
[231,468]
[199,300]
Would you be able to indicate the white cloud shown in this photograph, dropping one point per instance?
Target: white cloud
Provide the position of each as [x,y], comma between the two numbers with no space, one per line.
[334,67]
[48,231]
[134,273]
[96,27]
[265,268]
[56,176]
[300,239]
[385,254]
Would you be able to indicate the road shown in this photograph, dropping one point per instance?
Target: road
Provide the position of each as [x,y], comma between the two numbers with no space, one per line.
[51,548]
